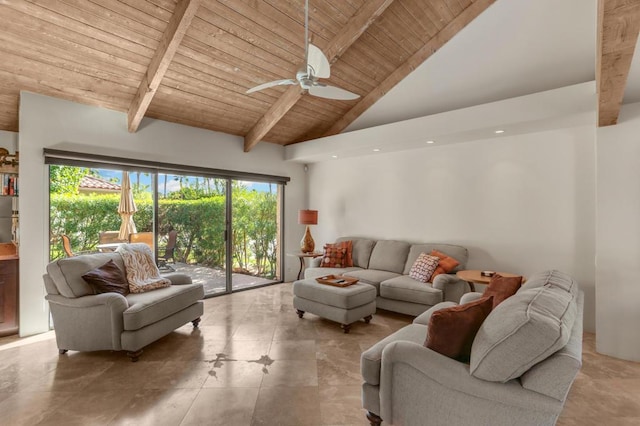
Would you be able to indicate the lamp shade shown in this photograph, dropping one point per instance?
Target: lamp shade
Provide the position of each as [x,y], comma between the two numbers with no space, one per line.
[308,217]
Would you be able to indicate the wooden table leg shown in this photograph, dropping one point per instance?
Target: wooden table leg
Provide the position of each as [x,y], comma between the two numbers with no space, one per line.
[301,267]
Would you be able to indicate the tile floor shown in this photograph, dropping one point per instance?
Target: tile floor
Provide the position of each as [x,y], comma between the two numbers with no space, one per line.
[252,362]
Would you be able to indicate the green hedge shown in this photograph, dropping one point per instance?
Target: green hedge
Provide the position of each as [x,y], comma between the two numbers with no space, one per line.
[200,224]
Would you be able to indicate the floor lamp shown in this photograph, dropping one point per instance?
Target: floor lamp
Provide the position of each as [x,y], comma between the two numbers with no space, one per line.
[307,217]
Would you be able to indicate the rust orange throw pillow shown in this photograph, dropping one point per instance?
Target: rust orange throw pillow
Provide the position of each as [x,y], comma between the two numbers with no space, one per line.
[333,257]
[348,254]
[502,287]
[452,330]
[445,265]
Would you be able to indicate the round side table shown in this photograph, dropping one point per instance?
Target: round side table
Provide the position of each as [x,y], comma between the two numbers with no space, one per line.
[302,257]
[474,276]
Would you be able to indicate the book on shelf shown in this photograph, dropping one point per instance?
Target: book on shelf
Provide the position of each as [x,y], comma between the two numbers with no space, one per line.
[9,184]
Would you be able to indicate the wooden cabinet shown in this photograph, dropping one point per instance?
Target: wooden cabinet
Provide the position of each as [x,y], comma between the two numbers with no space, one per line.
[8,297]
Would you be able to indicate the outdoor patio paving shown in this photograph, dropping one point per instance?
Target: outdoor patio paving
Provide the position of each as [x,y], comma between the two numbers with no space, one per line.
[214,280]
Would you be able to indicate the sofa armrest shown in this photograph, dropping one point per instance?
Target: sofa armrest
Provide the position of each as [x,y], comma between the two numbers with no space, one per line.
[415,378]
[451,286]
[88,323]
[315,262]
[425,317]
[115,301]
[177,278]
[470,297]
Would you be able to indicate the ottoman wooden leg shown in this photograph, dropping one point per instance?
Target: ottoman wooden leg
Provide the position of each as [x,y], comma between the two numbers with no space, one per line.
[345,328]
[368,319]
[300,313]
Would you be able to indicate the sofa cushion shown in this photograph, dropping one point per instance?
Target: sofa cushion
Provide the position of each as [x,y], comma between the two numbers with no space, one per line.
[67,273]
[388,255]
[320,272]
[407,289]
[502,287]
[557,278]
[372,276]
[148,308]
[108,278]
[523,330]
[370,359]
[457,252]
[361,250]
[333,257]
[452,330]
[423,268]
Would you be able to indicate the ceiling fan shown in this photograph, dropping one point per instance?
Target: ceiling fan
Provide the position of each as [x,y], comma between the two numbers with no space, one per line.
[317,67]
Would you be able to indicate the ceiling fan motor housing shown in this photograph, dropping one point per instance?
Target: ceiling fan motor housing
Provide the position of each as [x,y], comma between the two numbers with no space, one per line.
[306,81]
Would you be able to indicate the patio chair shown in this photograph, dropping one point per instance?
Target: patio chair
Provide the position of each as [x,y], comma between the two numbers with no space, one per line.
[109,237]
[142,237]
[66,245]
[169,249]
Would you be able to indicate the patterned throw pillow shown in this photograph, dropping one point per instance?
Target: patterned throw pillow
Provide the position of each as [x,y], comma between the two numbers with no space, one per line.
[423,267]
[445,265]
[333,257]
[348,245]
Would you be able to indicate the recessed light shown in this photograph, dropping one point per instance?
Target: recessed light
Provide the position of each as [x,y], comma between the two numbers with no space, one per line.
[431,141]
[334,156]
[376,150]
[499,131]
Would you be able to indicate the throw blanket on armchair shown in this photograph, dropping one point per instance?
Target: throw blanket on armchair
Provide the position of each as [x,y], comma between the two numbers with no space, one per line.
[142,273]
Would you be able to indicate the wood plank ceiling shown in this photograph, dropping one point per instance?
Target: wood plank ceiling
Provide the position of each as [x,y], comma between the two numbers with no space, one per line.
[125,54]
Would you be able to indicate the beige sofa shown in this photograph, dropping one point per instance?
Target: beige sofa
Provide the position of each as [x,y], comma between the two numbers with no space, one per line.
[385,264]
[524,360]
[85,321]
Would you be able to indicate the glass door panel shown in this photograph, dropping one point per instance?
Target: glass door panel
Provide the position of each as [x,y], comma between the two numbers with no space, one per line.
[255,231]
[191,228]
[83,205]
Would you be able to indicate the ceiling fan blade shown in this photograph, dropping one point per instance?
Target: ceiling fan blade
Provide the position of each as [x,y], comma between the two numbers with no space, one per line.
[263,86]
[332,92]
[317,63]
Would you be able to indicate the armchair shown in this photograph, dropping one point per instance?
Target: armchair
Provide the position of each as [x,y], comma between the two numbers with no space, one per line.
[85,321]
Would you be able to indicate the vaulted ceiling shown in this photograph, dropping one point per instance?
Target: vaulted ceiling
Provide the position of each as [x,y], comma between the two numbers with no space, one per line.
[191,61]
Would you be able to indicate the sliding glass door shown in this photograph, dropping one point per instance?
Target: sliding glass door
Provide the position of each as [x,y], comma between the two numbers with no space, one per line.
[224,233]
[192,220]
[255,233]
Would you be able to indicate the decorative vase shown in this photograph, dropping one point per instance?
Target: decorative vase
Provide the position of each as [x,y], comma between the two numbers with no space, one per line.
[307,245]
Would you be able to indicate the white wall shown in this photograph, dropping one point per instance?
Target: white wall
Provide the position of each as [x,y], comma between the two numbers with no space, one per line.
[618,237]
[53,123]
[519,203]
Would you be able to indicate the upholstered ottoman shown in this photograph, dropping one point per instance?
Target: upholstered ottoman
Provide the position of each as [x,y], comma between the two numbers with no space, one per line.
[345,305]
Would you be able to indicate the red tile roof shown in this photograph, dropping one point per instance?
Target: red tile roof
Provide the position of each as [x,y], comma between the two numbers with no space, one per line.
[92,182]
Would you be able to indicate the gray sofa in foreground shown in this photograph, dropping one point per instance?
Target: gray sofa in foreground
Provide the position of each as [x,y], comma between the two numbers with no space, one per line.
[524,360]
[385,264]
[85,321]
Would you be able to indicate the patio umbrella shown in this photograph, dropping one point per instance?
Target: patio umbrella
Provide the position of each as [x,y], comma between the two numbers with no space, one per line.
[126,208]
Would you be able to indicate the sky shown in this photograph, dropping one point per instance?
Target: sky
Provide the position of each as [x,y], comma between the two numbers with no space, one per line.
[172,183]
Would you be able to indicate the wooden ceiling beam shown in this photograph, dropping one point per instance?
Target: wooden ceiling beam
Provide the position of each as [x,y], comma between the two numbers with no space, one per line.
[172,37]
[435,43]
[618,28]
[352,30]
